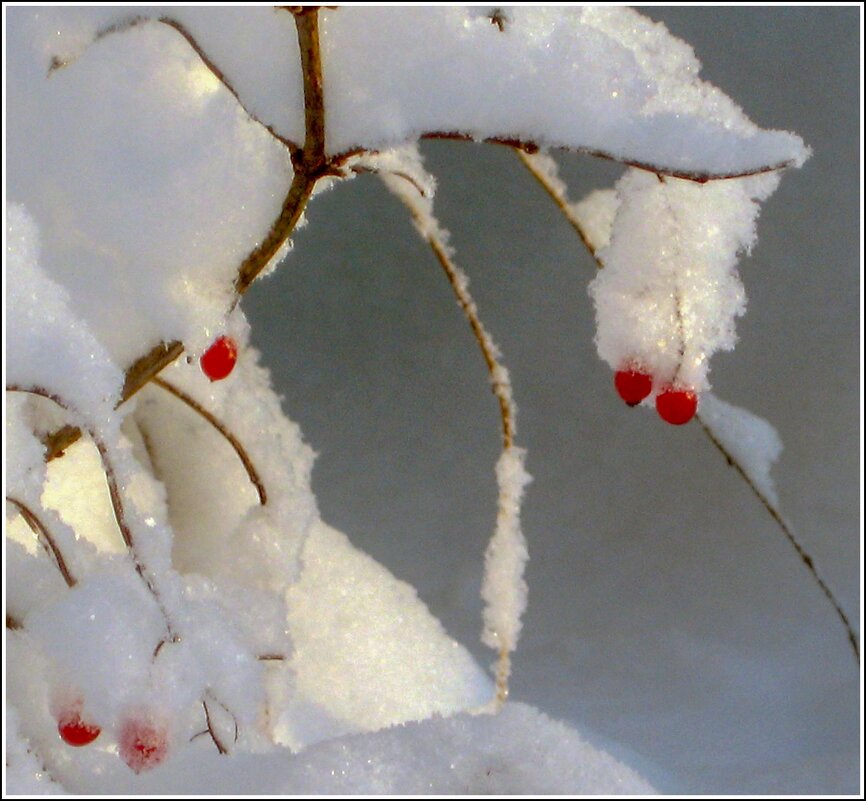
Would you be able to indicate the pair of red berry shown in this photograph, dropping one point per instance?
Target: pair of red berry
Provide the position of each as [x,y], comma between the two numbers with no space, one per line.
[675,405]
[142,745]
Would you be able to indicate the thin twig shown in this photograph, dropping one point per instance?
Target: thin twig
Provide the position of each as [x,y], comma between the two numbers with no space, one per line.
[429,230]
[559,197]
[220,747]
[193,404]
[116,498]
[44,536]
[786,530]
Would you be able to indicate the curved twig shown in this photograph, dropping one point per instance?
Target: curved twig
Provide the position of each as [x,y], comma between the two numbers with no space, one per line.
[429,230]
[44,536]
[783,524]
[193,404]
[220,747]
[557,191]
[117,504]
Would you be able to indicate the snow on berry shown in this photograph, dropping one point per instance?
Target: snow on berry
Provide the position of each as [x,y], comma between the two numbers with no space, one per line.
[219,359]
[669,292]
[632,384]
[676,406]
[143,743]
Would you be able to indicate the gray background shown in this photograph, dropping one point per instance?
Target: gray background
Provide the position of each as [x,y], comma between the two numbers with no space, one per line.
[668,617]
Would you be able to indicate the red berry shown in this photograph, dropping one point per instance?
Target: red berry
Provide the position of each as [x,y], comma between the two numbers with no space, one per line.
[676,406]
[632,385]
[219,359]
[142,744]
[74,730]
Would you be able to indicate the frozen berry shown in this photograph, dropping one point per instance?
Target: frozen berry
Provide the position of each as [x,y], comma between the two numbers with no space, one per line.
[143,744]
[219,359]
[676,406]
[74,730]
[633,385]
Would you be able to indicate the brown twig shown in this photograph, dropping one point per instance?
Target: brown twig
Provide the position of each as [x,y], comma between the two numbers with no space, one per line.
[45,539]
[560,198]
[310,163]
[220,747]
[786,530]
[428,228]
[193,404]
[488,350]
[116,498]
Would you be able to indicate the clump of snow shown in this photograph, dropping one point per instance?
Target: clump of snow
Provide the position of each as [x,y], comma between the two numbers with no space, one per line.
[669,293]
[603,80]
[138,116]
[24,775]
[596,213]
[751,441]
[606,81]
[48,346]
[504,588]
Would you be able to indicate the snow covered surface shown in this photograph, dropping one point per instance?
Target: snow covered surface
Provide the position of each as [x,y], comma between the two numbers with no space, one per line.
[520,751]
[206,600]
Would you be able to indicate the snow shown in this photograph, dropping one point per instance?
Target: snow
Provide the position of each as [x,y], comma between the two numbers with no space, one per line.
[629,89]
[519,751]
[139,115]
[206,601]
[750,439]
[504,588]
[669,293]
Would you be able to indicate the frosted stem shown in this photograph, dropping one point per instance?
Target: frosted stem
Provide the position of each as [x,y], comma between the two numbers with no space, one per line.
[117,504]
[503,588]
[545,170]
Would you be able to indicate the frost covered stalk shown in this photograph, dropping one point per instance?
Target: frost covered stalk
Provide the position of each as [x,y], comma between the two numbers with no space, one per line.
[178,614]
[504,588]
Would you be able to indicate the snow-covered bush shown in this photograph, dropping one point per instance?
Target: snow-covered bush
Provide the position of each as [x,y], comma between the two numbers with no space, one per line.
[172,591]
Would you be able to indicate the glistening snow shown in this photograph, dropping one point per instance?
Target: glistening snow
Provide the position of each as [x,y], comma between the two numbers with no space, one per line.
[139,182]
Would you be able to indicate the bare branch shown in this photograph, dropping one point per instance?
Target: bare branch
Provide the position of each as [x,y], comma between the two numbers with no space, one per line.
[45,539]
[787,531]
[557,191]
[220,427]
